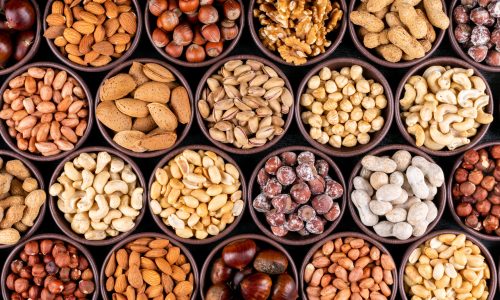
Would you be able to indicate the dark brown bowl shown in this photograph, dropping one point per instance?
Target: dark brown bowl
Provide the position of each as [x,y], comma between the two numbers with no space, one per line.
[205,276]
[484,251]
[107,133]
[451,202]
[294,238]
[439,199]
[459,50]
[123,242]
[114,62]
[34,47]
[201,123]
[37,157]
[338,35]
[371,73]
[335,236]
[150,22]
[81,248]
[168,230]
[379,60]
[58,216]
[36,174]
[442,61]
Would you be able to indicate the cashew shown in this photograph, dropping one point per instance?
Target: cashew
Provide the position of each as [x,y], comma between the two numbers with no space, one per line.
[412,119]
[458,142]
[123,224]
[98,225]
[80,223]
[444,125]
[128,175]
[116,165]
[94,235]
[409,98]
[483,118]
[420,85]
[444,109]
[112,232]
[103,159]
[465,97]
[126,209]
[416,180]
[444,82]
[481,102]
[100,181]
[419,134]
[112,214]
[478,83]
[116,186]
[71,172]
[361,199]
[463,80]
[469,112]
[87,179]
[114,201]
[439,137]
[446,96]
[465,125]
[103,208]
[427,111]
[136,198]
[430,143]
[87,201]
[86,161]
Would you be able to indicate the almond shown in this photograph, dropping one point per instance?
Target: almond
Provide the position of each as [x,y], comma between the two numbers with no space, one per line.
[109,115]
[151,277]
[163,265]
[104,48]
[159,141]
[178,274]
[111,9]
[122,258]
[91,56]
[163,116]
[73,49]
[76,59]
[155,291]
[117,87]
[153,92]
[154,253]
[147,263]
[54,31]
[134,259]
[144,124]
[84,27]
[86,44]
[100,61]
[121,283]
[94,8]
[136,71]
[57,7]
[135,277]
[158,72]
[55,20]
[72,36]
[131,139]
[130,293]
[159,243]
[183,289]
[68,15]
[99,33]
[167,283]
[132,107]
[119,39]
[129,22]
[89,17]
[179,101]
[173,255]
[110,266]
[111,27]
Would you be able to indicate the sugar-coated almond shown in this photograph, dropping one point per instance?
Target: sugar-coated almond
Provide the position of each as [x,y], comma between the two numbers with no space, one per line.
[133,107]
[108,114]
[117,87]
[163,116]
[153,92]
[180,104]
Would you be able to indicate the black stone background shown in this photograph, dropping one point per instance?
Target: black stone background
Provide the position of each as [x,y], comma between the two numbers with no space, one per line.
[248,162]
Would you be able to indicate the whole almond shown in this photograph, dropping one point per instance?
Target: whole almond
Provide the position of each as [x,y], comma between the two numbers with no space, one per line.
[163,265]
[86,44]
[84,27]
[133,107]
[183,289]
[128,21]
[55,20]
[94,8]
[119,39]
[57,7]
[91,56]
[146,263]
[130,293]
[153,91]
[89,17]
[99,33]
[72,36]
[159,141]
[159,243]
[111,9]
[53,32]
[121,283]
[153,253]
[111,27]
[173,255]
[108,114]
[151,277]
[131,139]
[100,61]
[135,277]
[179,100]
[117,87]
[158,73]
[134,259]
[163,116]
[122,258]
[104,48]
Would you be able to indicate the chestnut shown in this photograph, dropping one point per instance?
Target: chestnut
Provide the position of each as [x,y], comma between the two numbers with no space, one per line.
[238,277]
[218,292]
[23,44]
[256,286]
[19,14]
[270,262]
[239,254]
[220,272]
[6,48]
[284,288]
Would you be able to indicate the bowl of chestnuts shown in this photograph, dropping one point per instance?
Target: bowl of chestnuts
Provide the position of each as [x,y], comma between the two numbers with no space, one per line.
[249,266]
[194,33]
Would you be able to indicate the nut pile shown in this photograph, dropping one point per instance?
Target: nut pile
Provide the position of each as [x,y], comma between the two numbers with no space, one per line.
[45,110]
[343,108]
[477,29]
[20,200]
[297,193]
[444,107]
[197,193]
[94,32]
[297,30]
[149,268]
[394,195]
[447,266]
[50,269]
[399,30]
[349,268]
[99,195]
[245,104]
[144,107]
[246,270]
[195,29]
[476,190]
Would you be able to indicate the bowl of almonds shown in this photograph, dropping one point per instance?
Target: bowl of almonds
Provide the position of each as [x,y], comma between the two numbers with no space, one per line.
[244,104]
[144,108]
[92,36]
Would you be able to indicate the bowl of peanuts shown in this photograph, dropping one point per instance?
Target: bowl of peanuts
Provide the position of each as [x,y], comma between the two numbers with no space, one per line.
[344,107]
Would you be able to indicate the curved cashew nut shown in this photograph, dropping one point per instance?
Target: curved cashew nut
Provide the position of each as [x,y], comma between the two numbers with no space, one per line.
[116,165]
[56,189]
[100,180]
[415,108]
[483,118]
[410,94]
[123,224]
[431,71]
[136,198]
[430,144]
[115,176]
[63,207]
[430,97]
[128,175]
[112,232]
[465,97]
[463,80]
[80,223]
[444,125]
[72,172]
[432,79]
[466,124]
[68,217]
[94,235]
[102,208]
[87,179]
[427,110]
[468,133]
[126,209]
[444,82]
[443,109]
[420,85]
[458,142]
[412,119]
[439,137]
[103,158]
[468,72]
[469,112]
[116,186]
[71,202]
[98,225]
[478,83]
[85,204]
[419,134]
[482,101]
[446,96]
[86,161]
[114,200]
[112,214]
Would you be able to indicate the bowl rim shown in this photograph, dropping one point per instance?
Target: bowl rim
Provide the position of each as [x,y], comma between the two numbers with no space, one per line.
[439,199]
[64,225]
[202,84]
[376,137]
[334,169]
[193,241]
[442,61]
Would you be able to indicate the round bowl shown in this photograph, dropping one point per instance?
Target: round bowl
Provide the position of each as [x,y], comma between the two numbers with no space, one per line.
[36,174]
[114,62]
[205,277]
[201,123]
[451,202]
[37,157]
[335,236]
[64,225]
[294,238]
[375,138]
[443,61]
[34,47]
[108,133]
[439,199]
[123,242]
[167,229]
[150,22]
[484,251]
[340,31]
[458,49]
[379,60]
[81,248]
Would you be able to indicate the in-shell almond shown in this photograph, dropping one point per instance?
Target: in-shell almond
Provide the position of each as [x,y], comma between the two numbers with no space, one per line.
[144,124]
[158,72]
[163,116]
[159,141]
[180,104]
[136,71]
[117,87]
[133,107]
[130,139]
[153,91]
[112,117]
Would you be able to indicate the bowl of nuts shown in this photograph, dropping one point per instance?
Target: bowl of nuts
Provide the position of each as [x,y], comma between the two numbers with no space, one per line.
[23,202]
[249,266]
[144,108]
[296,195]
[197,194]
[194,33]
[152,265]
[97,196]
[348,255]
[465,268]
[46,111]
[341,112]
[92,36]
[396,194]
[474,191]
[297,32]
[50,266]
[446,106]
[397,34]
[244,104]
[474,32]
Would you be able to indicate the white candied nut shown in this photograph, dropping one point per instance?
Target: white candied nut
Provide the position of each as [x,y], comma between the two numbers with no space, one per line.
[103,159]
[402,230]
[361,183]
[123,224]
[381,164]
[80,223]
[378,179]
[402,198]
[396,215]
[365,173]
[95,235]
[379,208]
[407,187]
[420,228]
[402,158]
[432,211]
[397,178]
[388,192]
[361,199]
[416,180]
[432,171]
[417,213]
[384,228]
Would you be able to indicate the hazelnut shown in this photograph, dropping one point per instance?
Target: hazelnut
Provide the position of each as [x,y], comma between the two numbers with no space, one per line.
[494,199]
[55,286]
[495,210]
[46,295]
[168,20]
[471,157]
[229,33]
[496,173]
[16,266]
[160,38]
[75,274]
[471,221]
[9,282]
[214,49]
[188,6]
[21,285]
[461,175]
[195,53]
[198,37]
[232,9]
[83,263]
[467,188]
[495,151]
[480,194]
[38,270]
[46,246]
[208,14]
[156,7]
[32,260]
[69,288]
[483,207]
[86,287]
[463,209]
[87,275]
[475,177]
[483,163]
[455,191]
[490,223]
[31,248]
[183,35]
[34,292]
[62,259]
[211,33]
[64,274]
[174,50]
[488,183]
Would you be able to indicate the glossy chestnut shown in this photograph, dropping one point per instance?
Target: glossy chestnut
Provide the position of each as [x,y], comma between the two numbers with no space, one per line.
[239,254]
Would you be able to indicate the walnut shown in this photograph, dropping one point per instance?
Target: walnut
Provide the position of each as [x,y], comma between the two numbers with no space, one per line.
[291,56]
[297,44]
